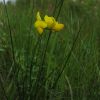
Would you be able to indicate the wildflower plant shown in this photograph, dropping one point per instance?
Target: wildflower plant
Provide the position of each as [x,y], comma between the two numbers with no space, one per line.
[37,66]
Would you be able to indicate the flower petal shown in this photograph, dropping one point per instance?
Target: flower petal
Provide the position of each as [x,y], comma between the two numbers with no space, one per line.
[41,24]
[40,30]
[58,26]
[50,21]
[38,17]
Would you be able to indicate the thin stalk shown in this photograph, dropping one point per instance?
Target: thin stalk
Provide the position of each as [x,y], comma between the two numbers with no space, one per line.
[10,33]
[45,50]
[55,8]
[61,4]
[12,46]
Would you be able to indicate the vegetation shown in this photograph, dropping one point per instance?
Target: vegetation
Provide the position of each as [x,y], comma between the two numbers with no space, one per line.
[60,65]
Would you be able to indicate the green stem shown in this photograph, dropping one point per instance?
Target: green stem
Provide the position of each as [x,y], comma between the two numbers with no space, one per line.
[12,47]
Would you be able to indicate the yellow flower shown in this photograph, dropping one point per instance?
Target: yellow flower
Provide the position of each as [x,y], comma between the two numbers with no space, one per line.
[58,26]
[39,24]
[50,21]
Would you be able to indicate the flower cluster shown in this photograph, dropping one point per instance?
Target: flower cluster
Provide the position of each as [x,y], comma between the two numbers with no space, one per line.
[48,23]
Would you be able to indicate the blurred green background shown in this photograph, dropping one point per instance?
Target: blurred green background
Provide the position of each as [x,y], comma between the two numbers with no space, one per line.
[80,79]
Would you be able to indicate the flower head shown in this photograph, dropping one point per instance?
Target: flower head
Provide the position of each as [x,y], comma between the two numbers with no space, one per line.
[48,22]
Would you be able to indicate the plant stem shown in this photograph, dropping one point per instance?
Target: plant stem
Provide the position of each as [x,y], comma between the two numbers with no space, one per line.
[12,47]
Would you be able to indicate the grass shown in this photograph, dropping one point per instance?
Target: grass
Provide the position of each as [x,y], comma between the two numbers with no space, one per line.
[55,66]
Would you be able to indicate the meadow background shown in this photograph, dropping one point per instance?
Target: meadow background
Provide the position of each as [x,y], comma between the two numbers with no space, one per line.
[55,66]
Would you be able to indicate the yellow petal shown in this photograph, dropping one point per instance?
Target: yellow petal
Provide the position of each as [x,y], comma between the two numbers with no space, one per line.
[40,30]
[58,26]
[50,21]
[38,17]
[41,24]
